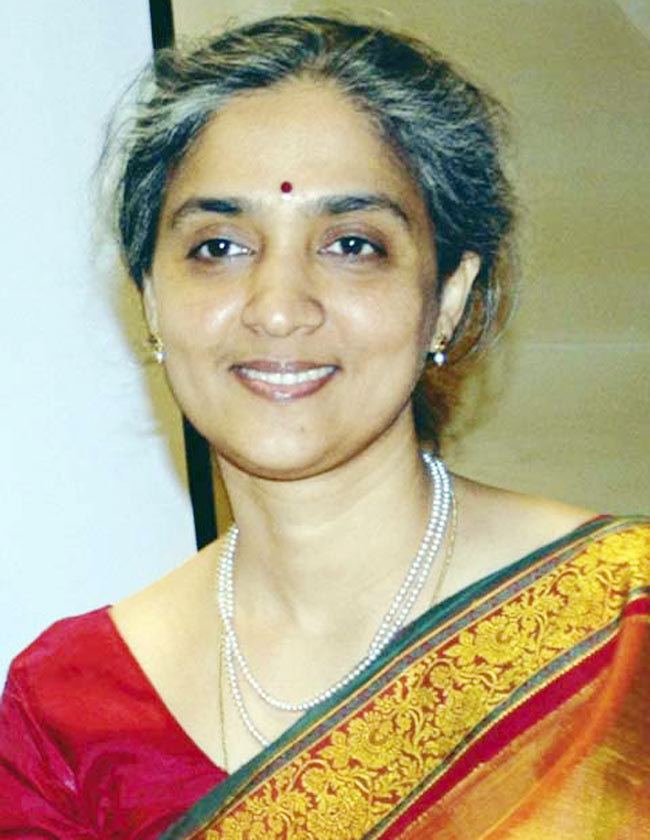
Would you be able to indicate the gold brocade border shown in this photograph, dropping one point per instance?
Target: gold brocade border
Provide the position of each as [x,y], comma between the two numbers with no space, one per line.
[360,775]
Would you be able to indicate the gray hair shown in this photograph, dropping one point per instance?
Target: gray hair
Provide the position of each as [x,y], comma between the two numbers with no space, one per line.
[448,134]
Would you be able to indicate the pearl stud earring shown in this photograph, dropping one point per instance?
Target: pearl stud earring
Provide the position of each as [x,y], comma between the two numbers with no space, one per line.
[438,354]
[157,349]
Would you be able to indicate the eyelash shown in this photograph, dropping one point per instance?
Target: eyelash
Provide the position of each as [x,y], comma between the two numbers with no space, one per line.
[378,250]
[362,241]
[195,253]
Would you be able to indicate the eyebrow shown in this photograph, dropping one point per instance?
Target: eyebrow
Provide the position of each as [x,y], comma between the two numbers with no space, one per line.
[222,206]
[333,205]
[336,205]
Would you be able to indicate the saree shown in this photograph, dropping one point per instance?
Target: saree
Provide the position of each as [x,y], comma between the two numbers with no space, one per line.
[518,708]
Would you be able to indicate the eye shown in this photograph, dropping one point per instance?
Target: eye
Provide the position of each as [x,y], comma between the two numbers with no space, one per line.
[216,249]
[354,246]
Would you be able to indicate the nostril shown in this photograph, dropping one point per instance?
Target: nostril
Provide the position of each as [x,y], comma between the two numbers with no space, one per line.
[281,311]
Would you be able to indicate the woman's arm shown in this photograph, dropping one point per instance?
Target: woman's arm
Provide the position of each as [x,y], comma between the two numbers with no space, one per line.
[37,787]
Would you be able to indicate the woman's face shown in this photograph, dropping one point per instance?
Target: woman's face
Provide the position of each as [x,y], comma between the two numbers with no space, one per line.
[295,322]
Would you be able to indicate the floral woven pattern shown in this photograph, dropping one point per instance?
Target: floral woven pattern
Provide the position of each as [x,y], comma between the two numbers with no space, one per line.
[448,690]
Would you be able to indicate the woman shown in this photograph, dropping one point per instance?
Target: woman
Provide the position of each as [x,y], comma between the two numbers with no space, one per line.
[316,215]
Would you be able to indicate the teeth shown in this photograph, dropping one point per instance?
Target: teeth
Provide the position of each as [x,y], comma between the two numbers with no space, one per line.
[287,378]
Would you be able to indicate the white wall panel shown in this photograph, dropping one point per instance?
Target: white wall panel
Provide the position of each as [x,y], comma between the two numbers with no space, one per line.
[92,503]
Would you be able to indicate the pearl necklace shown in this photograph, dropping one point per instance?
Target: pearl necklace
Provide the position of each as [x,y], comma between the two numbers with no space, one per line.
[393,621]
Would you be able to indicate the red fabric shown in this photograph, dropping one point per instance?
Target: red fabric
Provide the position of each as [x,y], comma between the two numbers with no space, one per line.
[87,748]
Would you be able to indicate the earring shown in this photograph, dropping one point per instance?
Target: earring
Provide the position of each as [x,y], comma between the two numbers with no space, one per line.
[439,353]
[157,349]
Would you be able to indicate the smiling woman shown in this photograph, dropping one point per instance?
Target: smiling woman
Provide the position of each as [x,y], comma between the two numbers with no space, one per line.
[339,280]
[317,217]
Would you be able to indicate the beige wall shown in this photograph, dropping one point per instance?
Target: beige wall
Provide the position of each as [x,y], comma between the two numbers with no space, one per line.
[562,406]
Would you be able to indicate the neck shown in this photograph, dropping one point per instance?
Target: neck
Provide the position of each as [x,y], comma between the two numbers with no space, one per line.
[325,549]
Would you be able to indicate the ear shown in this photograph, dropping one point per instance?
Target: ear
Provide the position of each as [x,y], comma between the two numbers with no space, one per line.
[454,296]
[149,304]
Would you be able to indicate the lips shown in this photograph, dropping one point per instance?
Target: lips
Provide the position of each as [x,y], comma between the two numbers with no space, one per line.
[283,381]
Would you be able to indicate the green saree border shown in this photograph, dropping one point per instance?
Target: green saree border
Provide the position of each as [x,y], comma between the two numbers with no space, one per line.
[414,640]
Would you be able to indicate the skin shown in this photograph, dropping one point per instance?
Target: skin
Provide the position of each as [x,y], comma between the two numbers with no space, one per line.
[328,489]
[289,292]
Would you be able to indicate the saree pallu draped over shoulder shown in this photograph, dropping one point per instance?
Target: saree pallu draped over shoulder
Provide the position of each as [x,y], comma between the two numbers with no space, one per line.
[518,708]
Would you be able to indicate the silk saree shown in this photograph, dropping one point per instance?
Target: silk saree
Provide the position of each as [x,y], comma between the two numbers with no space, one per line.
[519,708]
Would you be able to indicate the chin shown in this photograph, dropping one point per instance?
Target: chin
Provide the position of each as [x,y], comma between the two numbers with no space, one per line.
[285,459]
[277,466]
[297,446]
[288,457]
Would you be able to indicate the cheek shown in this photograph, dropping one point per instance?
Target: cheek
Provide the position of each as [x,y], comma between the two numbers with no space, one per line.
[190,321]
[391,324]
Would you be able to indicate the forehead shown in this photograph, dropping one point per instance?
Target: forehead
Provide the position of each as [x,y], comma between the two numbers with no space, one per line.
[307,132]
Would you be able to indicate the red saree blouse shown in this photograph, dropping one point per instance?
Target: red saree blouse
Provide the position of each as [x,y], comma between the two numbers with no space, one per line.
[87,748]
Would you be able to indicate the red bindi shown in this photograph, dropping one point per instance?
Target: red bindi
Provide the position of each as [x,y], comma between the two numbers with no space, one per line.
[286,187]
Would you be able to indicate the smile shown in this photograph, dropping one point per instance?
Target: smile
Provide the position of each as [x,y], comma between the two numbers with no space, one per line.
[283,382]
[287,378]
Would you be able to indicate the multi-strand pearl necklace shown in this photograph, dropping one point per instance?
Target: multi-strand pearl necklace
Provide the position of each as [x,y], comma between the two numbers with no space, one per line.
[394,619]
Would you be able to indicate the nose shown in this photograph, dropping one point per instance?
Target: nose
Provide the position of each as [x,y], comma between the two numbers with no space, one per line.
[281,299]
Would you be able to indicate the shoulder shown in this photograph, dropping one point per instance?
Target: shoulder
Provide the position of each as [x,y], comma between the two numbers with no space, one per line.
[54,681]
[176,613]
[617,549]
[39,708]
[502,526]
[498,528]
[509,525]
[175,599]
[67,644]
